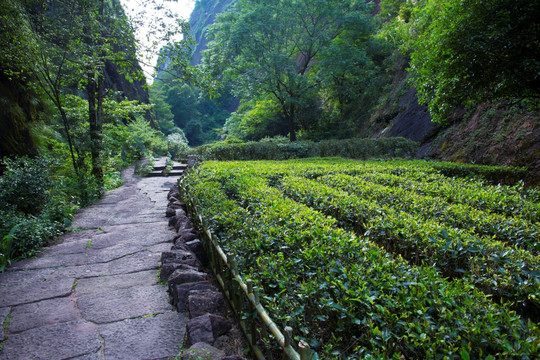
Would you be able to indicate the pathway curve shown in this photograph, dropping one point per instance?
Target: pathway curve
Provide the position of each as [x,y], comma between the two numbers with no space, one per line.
[95,294]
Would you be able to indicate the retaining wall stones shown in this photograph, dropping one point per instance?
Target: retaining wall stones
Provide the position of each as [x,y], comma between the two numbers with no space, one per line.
[211,332]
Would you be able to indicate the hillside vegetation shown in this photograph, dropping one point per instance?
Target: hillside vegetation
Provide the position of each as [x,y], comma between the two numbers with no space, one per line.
[74,104]
[461,78]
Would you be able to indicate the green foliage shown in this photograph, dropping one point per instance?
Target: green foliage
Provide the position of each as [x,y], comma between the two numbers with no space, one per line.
[177,145]
[256,120]
[31,210]
[390,9]
[268,50]
[162,110]
[476,51]
[25,185]
[7,251]
[143,140]
[20,104]
[279,149]
[342,293]
[198,116]
[412,233]
[52,83]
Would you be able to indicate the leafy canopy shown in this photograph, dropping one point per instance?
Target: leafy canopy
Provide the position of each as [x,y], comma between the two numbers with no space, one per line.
[474,51]
[271,49]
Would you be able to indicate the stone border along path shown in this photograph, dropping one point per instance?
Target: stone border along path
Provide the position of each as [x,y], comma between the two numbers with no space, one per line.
[96,293]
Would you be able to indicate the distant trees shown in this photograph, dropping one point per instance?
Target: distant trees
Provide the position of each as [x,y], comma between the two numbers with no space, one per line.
[291,52]
[73,43]
[320,68]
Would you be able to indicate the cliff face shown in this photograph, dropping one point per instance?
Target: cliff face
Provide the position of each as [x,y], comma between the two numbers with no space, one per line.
[203,15]
[490,134]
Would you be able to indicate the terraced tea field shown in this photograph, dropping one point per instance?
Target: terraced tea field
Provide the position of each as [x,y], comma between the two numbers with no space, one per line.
[389,259]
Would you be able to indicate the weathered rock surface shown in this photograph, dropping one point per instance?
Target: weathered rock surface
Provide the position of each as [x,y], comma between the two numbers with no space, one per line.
[177,256]
[95,294]
[43,313]
[170,212]
[124,304]
[168,269]
[100,284]
[207,328]
[185,276]
[154,337]
[60,341]
[185,236]
[35,290]
[198,249]
[201,302]
[180,293]
[199,329]
[202,351]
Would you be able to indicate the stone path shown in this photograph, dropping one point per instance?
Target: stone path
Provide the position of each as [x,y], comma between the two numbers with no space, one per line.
[95,294]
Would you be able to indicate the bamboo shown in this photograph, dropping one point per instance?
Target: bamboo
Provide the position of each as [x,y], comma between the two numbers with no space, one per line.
[305,350]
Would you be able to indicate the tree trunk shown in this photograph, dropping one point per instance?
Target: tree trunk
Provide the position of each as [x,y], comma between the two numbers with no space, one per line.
[68,136]
[95,113]
[95,132]
[290,121]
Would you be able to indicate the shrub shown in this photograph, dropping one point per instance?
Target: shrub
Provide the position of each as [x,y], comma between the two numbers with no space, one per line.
[31,232]
[31,213]
[178,145]
[25,185]
[277,149]
[343,293]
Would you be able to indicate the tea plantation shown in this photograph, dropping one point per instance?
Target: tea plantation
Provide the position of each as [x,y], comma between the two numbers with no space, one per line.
[383,259]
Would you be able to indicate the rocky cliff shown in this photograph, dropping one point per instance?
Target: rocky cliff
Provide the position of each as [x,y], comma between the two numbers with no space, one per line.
[490,133]
[203,15]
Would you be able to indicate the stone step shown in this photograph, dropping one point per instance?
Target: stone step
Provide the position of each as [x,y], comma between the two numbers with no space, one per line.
[175,167]
[178,169]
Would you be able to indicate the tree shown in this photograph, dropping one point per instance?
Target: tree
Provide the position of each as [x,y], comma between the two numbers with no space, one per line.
[162,110]
[256,120]
[75,40]
[475,51]
[269,48]
[350,68]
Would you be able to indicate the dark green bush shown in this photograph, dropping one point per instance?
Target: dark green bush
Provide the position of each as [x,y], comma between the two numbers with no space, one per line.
[25,185]
[343,294]
[31,232]
[31,213]
[276,150]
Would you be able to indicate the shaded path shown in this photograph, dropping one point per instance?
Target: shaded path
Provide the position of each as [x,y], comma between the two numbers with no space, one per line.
[95,294]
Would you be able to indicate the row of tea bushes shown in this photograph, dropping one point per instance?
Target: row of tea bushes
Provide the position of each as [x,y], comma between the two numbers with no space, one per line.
[354,148]
[339,291]
[509,229]
[497,269]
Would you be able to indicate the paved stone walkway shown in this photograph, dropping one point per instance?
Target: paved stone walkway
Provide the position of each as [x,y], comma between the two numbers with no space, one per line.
[95,294]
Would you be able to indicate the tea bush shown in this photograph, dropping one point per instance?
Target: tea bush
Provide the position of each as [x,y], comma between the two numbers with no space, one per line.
[267,149]
[346,295]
